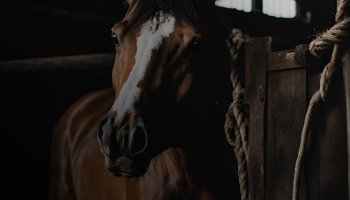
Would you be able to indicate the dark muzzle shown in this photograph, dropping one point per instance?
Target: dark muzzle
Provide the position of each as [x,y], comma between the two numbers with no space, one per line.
[127,140]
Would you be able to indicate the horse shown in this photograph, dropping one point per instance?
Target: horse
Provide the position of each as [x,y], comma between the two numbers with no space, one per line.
[159,132]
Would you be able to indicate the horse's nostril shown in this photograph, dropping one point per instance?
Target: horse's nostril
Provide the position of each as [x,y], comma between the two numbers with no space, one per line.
[105,127]
[138,138]
[102,123]
[138,141]
[107,137]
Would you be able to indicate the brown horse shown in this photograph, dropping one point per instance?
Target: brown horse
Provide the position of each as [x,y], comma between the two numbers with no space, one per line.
[161,135]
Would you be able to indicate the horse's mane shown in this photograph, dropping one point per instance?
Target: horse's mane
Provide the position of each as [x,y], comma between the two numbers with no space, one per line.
[187,10]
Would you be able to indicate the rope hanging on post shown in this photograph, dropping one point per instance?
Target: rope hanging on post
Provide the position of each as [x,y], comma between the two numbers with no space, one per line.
[235,124]
[334,38]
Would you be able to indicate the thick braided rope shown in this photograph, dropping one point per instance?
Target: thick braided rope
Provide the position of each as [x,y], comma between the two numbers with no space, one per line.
[334,38]
[235,126]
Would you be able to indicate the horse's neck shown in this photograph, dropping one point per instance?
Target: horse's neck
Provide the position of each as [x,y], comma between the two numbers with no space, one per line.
[187,172]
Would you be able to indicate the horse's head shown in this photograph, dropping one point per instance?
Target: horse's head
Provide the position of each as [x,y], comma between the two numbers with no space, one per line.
[161,47]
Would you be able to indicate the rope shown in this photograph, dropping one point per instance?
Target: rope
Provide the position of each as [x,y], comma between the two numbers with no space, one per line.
[335,37]
[235,124]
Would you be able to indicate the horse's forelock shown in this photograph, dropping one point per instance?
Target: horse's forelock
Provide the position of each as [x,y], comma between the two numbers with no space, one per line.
[191,11]
[128,2]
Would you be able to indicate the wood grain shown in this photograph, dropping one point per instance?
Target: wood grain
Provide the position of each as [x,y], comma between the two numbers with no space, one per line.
[286,105]
[346,77]
[256,66]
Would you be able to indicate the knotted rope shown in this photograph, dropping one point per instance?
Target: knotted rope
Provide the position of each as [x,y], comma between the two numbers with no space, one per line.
[235,124]
[336,37]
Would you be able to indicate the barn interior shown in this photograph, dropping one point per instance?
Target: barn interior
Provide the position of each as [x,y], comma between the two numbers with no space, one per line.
[39,29]
[32,103]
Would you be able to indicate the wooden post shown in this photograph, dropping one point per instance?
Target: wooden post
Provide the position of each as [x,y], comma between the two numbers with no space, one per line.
[257,5]
[346,77]
[256,66]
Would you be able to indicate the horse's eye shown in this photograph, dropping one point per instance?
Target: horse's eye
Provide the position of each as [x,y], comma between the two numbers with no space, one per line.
[115,40]
[196,45]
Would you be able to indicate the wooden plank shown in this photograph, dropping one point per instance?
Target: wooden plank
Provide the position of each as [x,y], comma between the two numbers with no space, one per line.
[317,63]
[257,5]
[281,60]
[346,77]
[255,82]
[329,126]
[58,64]
[290,59]
[326,154]
[301,55]
[310,174]
[286,106]
[301,58]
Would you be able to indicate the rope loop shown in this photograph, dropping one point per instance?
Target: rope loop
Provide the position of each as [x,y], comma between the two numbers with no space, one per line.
[325,41]
[235,124]
[334,38]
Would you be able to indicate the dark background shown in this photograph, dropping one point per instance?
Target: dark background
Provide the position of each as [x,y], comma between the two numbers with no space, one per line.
[38,28]
[32,102]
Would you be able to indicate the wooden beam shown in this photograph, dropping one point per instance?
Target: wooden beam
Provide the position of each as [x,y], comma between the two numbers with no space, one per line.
[59,64]
[256,66]
[346,77]
[257,5]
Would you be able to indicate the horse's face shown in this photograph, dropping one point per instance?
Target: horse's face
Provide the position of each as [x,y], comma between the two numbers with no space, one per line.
[152,75]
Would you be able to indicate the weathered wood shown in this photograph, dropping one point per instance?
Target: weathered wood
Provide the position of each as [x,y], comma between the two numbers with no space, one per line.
[281,60]
[301,55]
[58,64]
[328,129]
[257,5]
[310,173]
[286,103]
[346,77]
[256,66]
[325,159]
[292,79]
[292,59]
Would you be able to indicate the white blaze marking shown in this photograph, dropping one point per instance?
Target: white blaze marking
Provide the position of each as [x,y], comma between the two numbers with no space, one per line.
[148,40]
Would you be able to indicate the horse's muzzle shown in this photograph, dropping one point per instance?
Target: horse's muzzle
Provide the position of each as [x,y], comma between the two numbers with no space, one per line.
[123,147]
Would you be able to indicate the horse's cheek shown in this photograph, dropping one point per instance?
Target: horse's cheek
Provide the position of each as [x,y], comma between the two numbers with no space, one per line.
[185,86]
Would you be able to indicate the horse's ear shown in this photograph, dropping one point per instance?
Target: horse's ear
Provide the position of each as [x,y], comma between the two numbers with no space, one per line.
[128,2]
